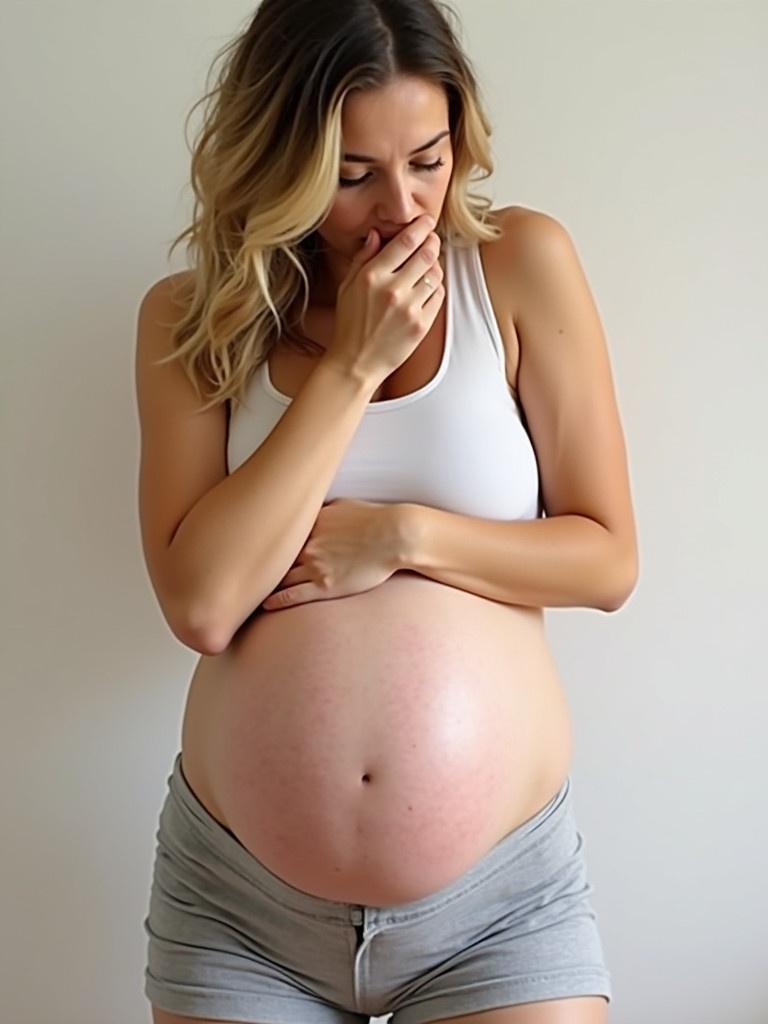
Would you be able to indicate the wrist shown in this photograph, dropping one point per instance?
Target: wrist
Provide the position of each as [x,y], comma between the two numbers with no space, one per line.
[406,526]
[349,373]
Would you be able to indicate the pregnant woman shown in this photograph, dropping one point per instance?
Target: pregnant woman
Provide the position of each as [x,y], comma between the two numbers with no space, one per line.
[379,436]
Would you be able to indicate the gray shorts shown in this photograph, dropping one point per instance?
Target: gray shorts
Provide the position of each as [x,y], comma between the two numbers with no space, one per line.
[229,939]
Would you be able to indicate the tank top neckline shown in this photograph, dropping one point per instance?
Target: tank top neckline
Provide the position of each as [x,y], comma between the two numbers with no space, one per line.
[387,404]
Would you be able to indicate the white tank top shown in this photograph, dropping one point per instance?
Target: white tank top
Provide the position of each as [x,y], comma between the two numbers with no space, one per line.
[459,443]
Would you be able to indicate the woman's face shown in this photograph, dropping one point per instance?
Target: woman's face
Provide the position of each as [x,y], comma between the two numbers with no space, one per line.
[395,185]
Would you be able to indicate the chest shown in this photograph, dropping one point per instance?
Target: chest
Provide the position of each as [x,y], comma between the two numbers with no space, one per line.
[289,369]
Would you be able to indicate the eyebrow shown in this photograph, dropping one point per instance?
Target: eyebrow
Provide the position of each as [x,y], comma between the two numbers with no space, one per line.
[357,158]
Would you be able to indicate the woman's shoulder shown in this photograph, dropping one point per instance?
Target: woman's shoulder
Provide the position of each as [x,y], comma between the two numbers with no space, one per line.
[517,221]
[527,235]
[168,289]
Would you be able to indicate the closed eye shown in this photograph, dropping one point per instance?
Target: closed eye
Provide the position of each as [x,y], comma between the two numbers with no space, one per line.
[351,182]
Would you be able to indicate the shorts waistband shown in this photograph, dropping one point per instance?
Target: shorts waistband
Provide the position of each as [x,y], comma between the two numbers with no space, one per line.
[521,839]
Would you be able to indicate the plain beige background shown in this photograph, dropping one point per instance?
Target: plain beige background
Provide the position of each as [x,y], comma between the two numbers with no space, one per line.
[641,126]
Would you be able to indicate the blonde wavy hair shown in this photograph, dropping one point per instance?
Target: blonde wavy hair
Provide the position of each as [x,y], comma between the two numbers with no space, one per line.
[265,169]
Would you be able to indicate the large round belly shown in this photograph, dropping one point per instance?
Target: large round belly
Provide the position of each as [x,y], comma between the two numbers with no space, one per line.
[370,749]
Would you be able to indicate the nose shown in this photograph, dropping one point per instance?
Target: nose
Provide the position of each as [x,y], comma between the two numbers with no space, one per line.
[397,207]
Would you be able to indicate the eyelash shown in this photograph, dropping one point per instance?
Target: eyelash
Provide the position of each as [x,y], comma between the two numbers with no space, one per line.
[351,182]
